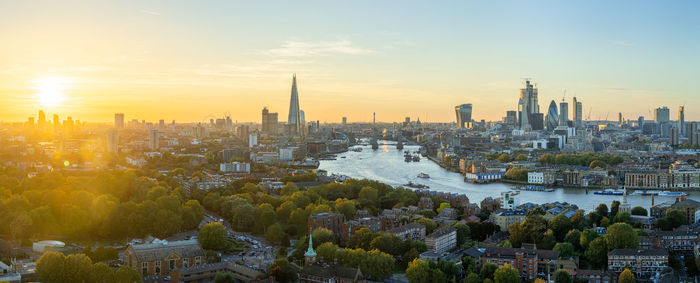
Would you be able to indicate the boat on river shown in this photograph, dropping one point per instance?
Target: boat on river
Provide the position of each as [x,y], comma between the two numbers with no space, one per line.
[423,175]
[415,185]
[609,192]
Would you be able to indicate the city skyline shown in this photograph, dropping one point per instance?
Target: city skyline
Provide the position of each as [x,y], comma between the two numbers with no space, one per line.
[87,62]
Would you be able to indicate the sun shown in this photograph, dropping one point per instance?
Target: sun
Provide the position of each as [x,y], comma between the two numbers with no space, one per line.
[50,90]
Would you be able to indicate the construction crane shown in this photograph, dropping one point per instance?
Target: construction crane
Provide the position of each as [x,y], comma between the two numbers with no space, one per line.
[563,99]
[589,113]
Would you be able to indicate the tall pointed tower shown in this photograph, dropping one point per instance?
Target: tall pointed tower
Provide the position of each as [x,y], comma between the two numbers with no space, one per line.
[310,255]
[294,121]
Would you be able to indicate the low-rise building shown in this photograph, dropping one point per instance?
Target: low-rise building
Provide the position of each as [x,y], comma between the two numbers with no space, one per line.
[207,272]
[643,263]
[504,218]
[162,257]
[327,220]
[411,231]
[442,240]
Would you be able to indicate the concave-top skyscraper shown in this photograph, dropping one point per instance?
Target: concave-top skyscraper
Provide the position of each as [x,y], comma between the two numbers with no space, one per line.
[294,121]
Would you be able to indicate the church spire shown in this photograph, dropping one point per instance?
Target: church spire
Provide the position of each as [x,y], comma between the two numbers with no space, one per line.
[310,251]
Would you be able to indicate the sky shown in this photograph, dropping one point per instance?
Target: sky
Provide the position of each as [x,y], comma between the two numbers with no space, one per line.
[194,60]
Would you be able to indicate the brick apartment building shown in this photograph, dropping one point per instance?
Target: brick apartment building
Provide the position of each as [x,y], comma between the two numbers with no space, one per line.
[411,231]
[330,221]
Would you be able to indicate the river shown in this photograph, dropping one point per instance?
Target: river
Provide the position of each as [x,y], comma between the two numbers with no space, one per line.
[387,165]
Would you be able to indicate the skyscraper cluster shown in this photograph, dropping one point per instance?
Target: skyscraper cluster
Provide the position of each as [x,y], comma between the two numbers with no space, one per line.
[527,106]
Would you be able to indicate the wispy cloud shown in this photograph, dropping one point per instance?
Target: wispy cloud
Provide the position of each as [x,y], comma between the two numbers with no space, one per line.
[149,12]
[294,48]
[623,43]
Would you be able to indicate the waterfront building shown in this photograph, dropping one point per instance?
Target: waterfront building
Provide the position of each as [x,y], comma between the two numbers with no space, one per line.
[294,120]
[643,263]
[464,115]
[510,199]
[442,240]
[552,120]
[541,177]
[661,115]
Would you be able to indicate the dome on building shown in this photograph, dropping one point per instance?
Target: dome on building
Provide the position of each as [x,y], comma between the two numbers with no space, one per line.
[552,120]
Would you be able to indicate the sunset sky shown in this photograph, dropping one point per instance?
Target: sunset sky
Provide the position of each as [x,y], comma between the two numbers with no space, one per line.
[191,60]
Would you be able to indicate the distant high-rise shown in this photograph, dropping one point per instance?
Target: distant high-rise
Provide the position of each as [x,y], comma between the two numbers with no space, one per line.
[511,117]
[302,118]
[345,121]
[119,120]
[619,119]
[113,141]
[578,113]
[693,135]
[640,122]
[681,120]
[661,115]
[537,121]
[56,123]
[269,122]
[527,105]
[294,120]
[674,136]
[464,115]
[41,122]
[153,140]
[563,113]
[161,124]
[552,120]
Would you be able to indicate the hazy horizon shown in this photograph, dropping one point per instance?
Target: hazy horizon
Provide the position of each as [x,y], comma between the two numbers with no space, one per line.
[189,61]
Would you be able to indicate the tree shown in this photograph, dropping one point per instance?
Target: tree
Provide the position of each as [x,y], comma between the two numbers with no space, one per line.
[368,193]
[275,234]
[361,238]
[563,277]
[614,208]
[547,159]
[578,219]
[472,278]
[283,271]
[346,207]
[506,274]
[602,210]
[621,236]
[626,276]
[430,225]
[421,271]
[504,157]
[224,277]
[521,157]
[127,274]
[638,210]
[597,164]
[326,252]
[322,235]
[78,268]
[574,238]
[50,267]
[676,218]
[102,273]
[560,224]
[388,243]
[463,233]
[587,236]
[597,253]
[565,249]
[488,269]
[443,206]
[212,236]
